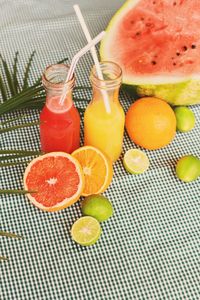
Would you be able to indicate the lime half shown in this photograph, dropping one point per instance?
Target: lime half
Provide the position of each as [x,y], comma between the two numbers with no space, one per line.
[135,161]
[86,231]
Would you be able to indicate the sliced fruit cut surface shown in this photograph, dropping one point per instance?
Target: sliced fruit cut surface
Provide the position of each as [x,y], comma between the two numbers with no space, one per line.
[56,179]
[135,161]
[97,169]
[158,48]
[86,231]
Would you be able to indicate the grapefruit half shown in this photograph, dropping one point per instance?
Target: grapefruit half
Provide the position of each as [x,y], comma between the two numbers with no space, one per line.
[57,181]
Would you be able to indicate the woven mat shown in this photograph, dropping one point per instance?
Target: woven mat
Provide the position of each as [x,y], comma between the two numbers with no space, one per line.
[150,248]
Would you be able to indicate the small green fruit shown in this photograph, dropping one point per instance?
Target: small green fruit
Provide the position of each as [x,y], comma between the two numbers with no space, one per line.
[97,206]
[188,168]
[86,231]
[185,118]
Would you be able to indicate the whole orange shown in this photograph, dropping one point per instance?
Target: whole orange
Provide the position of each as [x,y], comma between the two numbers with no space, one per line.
[151,123]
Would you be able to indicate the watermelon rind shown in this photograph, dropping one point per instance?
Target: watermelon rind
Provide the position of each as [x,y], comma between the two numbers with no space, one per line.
[183,90]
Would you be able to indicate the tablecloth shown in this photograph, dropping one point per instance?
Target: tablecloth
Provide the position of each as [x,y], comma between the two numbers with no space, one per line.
[150,248]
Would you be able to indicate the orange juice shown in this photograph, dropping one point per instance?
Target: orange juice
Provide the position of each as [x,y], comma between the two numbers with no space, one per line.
[101,129]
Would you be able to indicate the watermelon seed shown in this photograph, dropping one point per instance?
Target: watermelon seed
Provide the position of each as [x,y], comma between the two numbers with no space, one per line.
[137,33]
[184,48]
[154,2]
[153,62]
[174,3]
[177,53]
[193,46]
[174,64]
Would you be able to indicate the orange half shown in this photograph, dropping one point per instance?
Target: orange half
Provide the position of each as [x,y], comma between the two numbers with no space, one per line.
[57,181]
[97,169]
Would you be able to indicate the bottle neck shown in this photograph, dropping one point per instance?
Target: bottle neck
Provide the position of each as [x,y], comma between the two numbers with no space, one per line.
[111,94]
[108,87]
[54,81]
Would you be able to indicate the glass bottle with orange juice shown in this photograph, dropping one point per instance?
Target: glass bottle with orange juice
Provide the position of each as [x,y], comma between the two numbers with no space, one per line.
[105,130]
[60,122]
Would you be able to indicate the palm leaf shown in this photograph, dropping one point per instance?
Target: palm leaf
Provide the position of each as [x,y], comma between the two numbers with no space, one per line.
[3,258]
[10,235]
[16,192]
[15,80]
[30,124]
[3,89]
[9,77]
[27,70]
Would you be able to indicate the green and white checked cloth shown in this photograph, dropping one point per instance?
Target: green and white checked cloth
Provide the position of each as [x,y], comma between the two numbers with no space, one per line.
[150,248]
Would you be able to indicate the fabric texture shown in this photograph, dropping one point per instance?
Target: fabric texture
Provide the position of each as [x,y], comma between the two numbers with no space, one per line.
[150,248]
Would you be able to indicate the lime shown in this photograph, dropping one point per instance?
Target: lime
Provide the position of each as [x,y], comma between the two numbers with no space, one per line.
[98,207]
[188,168]
[185,118]
[135,161]
[86,231]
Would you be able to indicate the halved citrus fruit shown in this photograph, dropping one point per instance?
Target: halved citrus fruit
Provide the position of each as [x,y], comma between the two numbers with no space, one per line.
[135,161]
[57,181]
[86,231]
[97,169]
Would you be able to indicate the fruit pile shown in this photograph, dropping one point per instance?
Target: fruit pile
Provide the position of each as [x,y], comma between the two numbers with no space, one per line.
[57,179]
[151,123]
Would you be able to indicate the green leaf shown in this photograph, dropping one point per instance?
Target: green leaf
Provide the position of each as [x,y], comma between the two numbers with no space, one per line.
[24,96]
[14,156]
[16,83]
[16,192]
[9,77]
[25,152]
[3,258]
[82,87]
[80,99]
[11,235]
[27,70]
[19,127]
[63,60]
[12,164]
[3,89]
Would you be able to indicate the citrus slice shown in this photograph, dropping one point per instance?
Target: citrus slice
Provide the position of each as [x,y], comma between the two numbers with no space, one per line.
[56,179]
[97,169]
[135,161]
[86,231]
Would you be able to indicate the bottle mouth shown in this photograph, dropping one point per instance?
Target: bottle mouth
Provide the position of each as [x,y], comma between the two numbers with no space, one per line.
[112,75]
[54,77]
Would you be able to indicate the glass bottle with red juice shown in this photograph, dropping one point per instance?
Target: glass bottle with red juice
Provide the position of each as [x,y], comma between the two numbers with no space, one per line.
[59,122]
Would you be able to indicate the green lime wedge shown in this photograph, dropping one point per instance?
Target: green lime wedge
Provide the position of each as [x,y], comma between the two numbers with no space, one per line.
[135,161]
[86,231]
[97,206]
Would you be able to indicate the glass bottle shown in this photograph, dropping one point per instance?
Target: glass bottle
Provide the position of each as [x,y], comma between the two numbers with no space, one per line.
[60,123]
[101,129]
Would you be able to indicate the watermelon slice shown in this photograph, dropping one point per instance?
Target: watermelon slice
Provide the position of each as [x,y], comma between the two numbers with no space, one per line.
[157,45]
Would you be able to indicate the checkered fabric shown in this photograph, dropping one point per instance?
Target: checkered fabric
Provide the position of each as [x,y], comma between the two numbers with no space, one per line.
[150,248]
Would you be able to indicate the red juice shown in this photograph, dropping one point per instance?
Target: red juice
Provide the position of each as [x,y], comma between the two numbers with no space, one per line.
[60,126]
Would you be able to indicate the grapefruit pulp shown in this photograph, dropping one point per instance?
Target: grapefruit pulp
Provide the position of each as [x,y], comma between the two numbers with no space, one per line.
[56,179]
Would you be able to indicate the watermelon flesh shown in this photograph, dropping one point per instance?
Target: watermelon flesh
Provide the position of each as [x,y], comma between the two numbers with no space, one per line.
[157,44]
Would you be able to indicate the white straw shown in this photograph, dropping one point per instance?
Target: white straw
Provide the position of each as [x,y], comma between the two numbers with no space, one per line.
[75,60]
[94,54]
